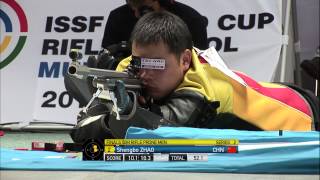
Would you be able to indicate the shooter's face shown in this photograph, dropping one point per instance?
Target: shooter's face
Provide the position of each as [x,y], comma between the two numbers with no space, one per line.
[160,83]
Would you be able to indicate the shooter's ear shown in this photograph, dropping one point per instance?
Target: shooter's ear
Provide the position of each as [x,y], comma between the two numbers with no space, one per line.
[186,59]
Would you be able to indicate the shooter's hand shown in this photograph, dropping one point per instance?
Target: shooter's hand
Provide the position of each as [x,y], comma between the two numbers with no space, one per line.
[124,102]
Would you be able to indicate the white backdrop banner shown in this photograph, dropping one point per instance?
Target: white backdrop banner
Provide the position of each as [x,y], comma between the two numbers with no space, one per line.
[36,37]
[246,33]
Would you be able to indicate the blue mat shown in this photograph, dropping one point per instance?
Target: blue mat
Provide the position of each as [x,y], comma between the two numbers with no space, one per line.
[259,152]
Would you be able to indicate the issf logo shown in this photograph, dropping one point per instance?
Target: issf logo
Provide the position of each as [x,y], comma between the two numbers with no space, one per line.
[9,29]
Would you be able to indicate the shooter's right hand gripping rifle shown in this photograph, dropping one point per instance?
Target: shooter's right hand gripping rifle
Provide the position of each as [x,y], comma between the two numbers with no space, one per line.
[105,82]
[104,119]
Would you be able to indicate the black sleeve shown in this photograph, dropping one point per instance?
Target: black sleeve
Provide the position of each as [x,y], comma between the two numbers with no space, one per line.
[191,109]
[183,108]
[110,34]
[197,23]
[119,25]
[187,108]
[198,30]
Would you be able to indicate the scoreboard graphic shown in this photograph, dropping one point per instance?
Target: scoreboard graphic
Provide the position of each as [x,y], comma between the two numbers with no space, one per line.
[158,157]
[163,150]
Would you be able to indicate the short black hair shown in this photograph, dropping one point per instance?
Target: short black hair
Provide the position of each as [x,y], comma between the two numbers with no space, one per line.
[163,26]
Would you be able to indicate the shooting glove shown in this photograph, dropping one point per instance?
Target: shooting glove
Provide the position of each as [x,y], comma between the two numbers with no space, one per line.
[124,102]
